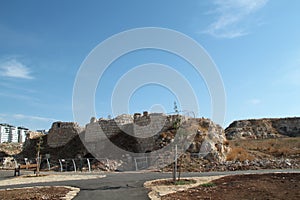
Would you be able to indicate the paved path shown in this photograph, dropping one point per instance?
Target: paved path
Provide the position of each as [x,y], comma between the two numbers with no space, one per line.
[126,185]
[7,174]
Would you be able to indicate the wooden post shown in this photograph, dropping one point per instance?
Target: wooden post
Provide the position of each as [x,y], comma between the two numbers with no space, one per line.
[175,166]
[38,157]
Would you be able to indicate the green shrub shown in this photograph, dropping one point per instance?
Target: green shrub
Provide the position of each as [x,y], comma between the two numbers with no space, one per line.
[210,184]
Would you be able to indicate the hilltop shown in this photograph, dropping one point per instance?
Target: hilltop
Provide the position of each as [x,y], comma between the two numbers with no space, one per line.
[264,128]
[116,144]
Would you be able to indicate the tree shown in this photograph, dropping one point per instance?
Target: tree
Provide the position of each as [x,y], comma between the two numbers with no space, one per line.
[175,108]
[176,126]
[38,154]
[177,122]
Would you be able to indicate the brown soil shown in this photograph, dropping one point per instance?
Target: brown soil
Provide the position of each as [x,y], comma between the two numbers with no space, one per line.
[50,193]
[256,186]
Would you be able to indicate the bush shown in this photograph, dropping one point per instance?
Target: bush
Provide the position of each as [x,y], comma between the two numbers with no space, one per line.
[210,184]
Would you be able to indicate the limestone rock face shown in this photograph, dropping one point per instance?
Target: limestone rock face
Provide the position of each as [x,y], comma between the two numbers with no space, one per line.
[210,141]
[7,149]
[264,128]
[34,135]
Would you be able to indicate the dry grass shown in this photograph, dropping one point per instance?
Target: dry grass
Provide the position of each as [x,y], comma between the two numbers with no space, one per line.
[283,151]
[280,147]
[240,154]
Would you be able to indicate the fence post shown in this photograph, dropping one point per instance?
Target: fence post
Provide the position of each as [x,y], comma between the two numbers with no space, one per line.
[74,164]
[48,163]
[175,165]
[61,167]
[65,160]
[89,164]
[136,166]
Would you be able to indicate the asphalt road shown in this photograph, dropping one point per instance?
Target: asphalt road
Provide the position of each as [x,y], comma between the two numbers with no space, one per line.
[124,185]
[6,174]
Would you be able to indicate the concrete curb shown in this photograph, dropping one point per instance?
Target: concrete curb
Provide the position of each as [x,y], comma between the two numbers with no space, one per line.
[157,191]
[70,195]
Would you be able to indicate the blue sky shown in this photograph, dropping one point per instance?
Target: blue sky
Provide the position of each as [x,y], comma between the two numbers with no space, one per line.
[254,43]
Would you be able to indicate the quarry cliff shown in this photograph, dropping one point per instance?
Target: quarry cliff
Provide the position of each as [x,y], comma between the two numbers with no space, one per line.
[263,128]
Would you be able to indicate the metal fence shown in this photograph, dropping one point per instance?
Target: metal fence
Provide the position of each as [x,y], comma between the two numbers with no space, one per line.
[61,165]
[141,162]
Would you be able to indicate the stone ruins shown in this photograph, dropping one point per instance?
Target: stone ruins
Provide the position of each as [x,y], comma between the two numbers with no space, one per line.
[136,135]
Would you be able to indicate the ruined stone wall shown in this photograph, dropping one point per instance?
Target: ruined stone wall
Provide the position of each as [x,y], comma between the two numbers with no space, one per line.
[148,132]
[92,132]
[62,132]
[149,128]
[149,125]
[141,130]
[140,126]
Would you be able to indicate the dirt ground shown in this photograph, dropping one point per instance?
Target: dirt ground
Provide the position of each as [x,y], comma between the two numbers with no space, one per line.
[52,193]
[273,186]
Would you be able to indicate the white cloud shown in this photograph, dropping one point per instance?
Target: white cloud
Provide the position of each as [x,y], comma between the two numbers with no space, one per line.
[15,69]
[37,118]
[231,13]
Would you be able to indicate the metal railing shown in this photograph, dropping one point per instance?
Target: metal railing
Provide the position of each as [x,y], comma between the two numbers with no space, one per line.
[61,165]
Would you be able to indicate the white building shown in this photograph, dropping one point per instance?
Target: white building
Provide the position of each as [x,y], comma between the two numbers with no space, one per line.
[4,132]
[9,133]
[13,136]
[22,132]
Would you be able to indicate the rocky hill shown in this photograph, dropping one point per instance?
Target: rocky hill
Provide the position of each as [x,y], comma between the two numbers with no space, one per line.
[140,135]
[7,149]
[133,135]
[264,128]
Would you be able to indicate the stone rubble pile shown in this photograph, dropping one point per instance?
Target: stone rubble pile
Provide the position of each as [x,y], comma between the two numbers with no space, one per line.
[250,165]
[10,149]
[107,165]
[189,163]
